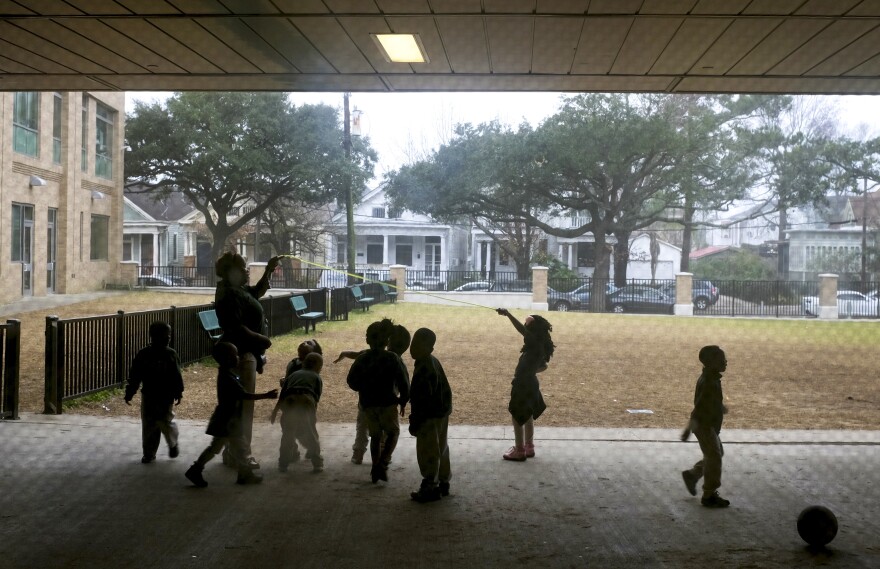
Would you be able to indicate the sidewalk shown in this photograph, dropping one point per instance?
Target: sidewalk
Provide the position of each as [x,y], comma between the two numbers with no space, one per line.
[74,494]
[31,303]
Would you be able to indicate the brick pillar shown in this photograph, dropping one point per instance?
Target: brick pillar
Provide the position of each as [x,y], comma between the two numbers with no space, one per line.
[539,288]
[684,296]
[828,296]
[128,273]
[398,275]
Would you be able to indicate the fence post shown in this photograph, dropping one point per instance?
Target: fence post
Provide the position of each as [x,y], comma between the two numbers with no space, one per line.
[539,288]
[398,275]
[52,375]
[173,324]
[828,296]
[120,347]
[684,296]
[268,318]
[11,368]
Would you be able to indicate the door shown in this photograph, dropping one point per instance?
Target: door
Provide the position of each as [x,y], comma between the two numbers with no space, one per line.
[432,256]
[27,251]
[51,243]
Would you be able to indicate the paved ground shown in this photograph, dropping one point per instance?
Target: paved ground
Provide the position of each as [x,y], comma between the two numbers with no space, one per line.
[74,494]
[30,303]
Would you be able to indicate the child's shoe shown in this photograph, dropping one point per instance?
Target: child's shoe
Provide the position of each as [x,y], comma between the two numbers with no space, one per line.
[174,451]
[248,478]
[444,488]
[530,450]
[194,475]
[424,495]
[690,481]
[714,501]
[357,457]
[515,453]
[147,459]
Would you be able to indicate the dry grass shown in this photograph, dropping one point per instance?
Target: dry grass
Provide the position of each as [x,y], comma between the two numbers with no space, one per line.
[782,373]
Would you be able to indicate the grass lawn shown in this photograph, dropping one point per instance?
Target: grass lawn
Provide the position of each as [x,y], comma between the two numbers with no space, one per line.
[781,373]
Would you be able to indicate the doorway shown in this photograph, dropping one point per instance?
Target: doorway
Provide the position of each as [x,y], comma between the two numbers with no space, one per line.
[51,245]
[432,256]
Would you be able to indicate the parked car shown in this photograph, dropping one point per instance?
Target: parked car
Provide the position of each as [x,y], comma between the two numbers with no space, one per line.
[426,283]
[639,298]
[474,287]
[160,280]
[524,285]
[849,303]
[577,299]
[704,293]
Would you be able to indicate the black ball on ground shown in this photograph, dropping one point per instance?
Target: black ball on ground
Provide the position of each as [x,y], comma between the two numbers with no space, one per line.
[817,525]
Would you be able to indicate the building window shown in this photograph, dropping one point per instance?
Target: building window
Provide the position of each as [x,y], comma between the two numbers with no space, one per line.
[104,141]
[84,161]
[126,248]
[56,129]
[395,213]
[586,254]
[340,250]
[503,256]
[375,249]
[100,238]
[26,123]
[378,212]
[22,215]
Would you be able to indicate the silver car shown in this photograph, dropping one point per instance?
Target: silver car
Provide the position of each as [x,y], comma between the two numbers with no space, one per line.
[850,303]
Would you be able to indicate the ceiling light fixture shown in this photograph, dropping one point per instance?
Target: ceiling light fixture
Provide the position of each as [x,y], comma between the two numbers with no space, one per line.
[401,48]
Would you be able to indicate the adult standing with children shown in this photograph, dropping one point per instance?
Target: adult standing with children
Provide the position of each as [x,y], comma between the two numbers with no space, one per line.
[526,402]
[240,315]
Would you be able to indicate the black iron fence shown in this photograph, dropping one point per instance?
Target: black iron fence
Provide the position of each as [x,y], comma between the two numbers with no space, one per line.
[85,355]
[10,350]
[498,281]
[760,298]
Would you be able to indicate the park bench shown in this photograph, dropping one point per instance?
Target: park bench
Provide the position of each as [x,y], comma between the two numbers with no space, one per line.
[364,301]
[391,294]
[300,308]
[209,321]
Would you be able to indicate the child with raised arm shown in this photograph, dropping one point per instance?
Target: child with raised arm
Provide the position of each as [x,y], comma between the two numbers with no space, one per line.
[382,383]
[299,404]
[705,423]
[225,424]
[430,406]
[156,371]
[526,402]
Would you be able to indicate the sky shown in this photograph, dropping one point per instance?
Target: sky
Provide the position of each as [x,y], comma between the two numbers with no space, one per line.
[403,125]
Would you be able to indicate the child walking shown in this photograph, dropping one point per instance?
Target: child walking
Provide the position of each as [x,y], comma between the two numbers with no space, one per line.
[382,383]
[156,371]
[705,424]
[430,406]
[225,424]
[526,402]
[299,403]
[398,342]
[304,349]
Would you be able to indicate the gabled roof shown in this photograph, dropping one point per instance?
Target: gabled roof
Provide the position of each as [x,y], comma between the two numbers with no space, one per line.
[867,206]
[170,207]
[708,251]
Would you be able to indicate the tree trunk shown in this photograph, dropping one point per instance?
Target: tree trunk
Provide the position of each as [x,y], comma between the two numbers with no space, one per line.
[621,257]
[600,273]
[218,247]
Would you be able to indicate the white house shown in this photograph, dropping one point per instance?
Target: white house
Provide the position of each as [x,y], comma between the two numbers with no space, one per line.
[386,237]
[639,266]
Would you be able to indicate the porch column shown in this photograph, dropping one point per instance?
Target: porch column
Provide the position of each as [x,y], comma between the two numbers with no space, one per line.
[444,262]
[539,288]
[570,256]
[489,266]
[155,260]
[828,296]
[478,255]
[385,249]
[684,303]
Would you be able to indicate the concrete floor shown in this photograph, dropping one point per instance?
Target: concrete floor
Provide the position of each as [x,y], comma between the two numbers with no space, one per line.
[74,494]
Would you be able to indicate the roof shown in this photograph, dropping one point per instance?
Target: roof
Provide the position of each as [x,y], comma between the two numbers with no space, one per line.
[869,203]
[169,207]
[709,251]
[673,46]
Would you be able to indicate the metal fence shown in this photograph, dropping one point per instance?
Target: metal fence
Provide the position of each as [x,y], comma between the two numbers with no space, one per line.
[760,298]
[85,355]
[10,352]
[499,281]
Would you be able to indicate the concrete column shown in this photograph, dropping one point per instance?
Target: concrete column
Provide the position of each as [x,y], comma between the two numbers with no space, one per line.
[489,266]
[478,255]
[444,262]
[256,271]
[684,302]
[398,275]
[828,296]
[156,258]
[571,256]
[128,273]
[539,288]
[385,249]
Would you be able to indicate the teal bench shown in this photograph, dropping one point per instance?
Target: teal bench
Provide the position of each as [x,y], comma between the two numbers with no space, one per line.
[364,301]
[300,308]
[209,321]
[391,294]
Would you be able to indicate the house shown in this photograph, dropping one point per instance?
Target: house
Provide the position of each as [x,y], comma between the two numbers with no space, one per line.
[158,230]
[61,185]
[712,252]
[742,223]
[386,237]
[639,266]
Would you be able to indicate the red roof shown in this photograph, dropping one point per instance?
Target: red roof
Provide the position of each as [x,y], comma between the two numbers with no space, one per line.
[707,252]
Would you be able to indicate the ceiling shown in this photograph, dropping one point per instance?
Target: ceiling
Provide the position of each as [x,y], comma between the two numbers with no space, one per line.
[714,46]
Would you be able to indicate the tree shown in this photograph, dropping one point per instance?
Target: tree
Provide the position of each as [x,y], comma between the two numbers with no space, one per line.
[225,150]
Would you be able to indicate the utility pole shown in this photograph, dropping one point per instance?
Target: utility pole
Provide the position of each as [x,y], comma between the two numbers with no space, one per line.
[349,200]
